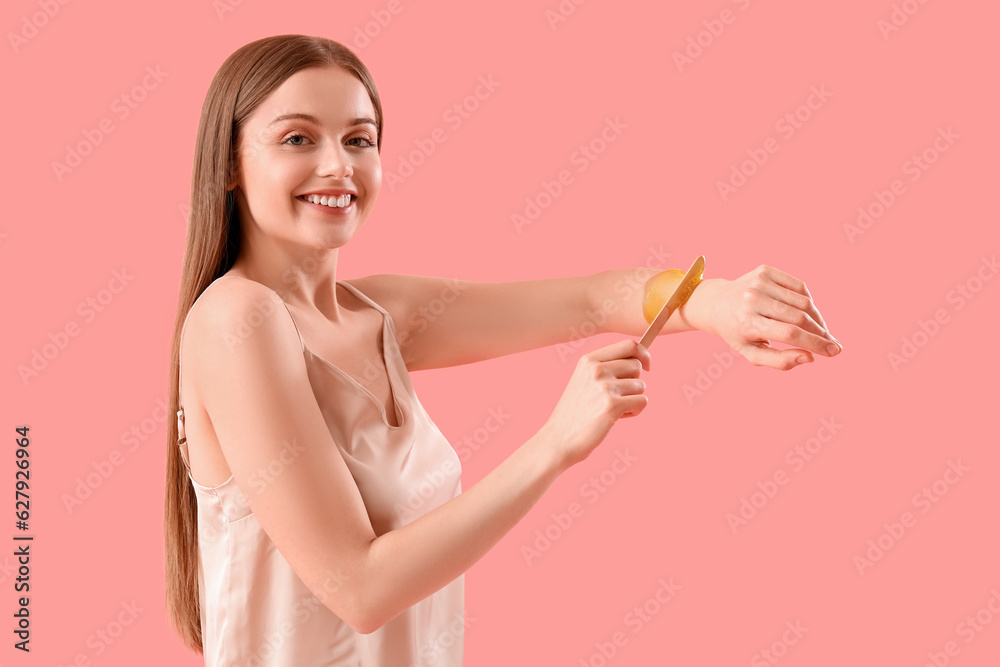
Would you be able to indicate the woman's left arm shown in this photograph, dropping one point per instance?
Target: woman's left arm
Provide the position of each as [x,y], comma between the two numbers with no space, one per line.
[763,306]
[444,322]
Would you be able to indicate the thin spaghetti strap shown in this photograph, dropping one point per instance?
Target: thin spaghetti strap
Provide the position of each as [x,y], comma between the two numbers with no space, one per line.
[302,341]
[364,297]
[181,433]
[277,296]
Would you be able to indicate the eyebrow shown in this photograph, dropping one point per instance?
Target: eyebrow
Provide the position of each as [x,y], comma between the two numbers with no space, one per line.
[315,121]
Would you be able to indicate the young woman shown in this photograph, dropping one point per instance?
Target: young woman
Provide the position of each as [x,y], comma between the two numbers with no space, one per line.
[292,535]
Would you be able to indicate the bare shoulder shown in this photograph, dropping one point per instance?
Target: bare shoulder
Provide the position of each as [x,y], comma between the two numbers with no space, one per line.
[392,291]
[237,320]
[404,292]
[227,298]
[385,289]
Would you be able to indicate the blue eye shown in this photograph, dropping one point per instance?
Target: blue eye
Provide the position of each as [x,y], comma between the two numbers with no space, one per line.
[294,136]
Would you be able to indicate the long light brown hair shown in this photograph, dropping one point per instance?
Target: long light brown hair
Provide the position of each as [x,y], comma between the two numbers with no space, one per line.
[243,81]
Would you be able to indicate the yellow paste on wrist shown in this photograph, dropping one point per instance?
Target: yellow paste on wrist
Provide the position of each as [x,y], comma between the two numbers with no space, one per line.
[657,290]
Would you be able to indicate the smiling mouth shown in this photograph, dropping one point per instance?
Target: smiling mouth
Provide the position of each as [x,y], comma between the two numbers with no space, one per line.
[330,201]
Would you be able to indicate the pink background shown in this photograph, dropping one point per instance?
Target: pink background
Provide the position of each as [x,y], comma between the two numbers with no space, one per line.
[665,517]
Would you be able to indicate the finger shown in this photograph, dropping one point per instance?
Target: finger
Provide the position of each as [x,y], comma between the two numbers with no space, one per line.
[623,368]
[799,301]
[762,354]
[623,349]
[790,314]
[629,386]
[634,404]
[786,280]
[789,334]
[647,360]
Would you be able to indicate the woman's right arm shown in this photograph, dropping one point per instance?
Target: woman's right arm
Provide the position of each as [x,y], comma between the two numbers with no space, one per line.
[256,390]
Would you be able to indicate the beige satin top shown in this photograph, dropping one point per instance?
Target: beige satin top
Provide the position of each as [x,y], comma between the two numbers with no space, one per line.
[255,610]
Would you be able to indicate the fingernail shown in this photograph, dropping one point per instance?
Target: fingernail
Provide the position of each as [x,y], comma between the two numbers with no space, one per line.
[832,349]
[802,360]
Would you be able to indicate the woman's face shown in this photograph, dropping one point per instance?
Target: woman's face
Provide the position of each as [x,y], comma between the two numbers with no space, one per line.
[325,148]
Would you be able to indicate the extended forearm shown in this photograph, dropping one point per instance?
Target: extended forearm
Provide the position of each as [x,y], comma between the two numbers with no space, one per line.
[618,295]
[410,563]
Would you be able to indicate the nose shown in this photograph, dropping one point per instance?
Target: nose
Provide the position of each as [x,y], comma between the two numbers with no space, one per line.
[335,162]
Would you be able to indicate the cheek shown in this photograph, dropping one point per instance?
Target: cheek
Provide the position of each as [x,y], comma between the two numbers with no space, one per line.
[374,179]
[274,182]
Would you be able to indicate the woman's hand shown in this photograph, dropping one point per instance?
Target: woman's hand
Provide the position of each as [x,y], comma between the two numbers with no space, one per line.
[604,387]
[762,306]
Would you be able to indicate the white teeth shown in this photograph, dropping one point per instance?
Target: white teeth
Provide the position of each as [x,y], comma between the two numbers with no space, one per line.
[339,201]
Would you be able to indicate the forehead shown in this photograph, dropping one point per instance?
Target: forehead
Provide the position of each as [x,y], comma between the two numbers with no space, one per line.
[331,94]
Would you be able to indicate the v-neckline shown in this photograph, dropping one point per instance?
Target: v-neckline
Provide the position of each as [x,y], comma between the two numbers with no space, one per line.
[393,389]
[393,392]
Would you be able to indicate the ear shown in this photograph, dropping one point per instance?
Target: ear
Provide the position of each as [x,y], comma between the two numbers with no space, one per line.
[231,185]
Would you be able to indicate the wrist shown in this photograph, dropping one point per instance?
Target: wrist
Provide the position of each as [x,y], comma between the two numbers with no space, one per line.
[699,311]
[547,449]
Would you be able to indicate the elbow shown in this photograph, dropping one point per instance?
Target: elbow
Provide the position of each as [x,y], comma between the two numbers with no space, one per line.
[364,614]
[365,625]
[367,620]
[362,600]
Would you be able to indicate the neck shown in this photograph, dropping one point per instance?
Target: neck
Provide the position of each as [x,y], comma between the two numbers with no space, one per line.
[305,278]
